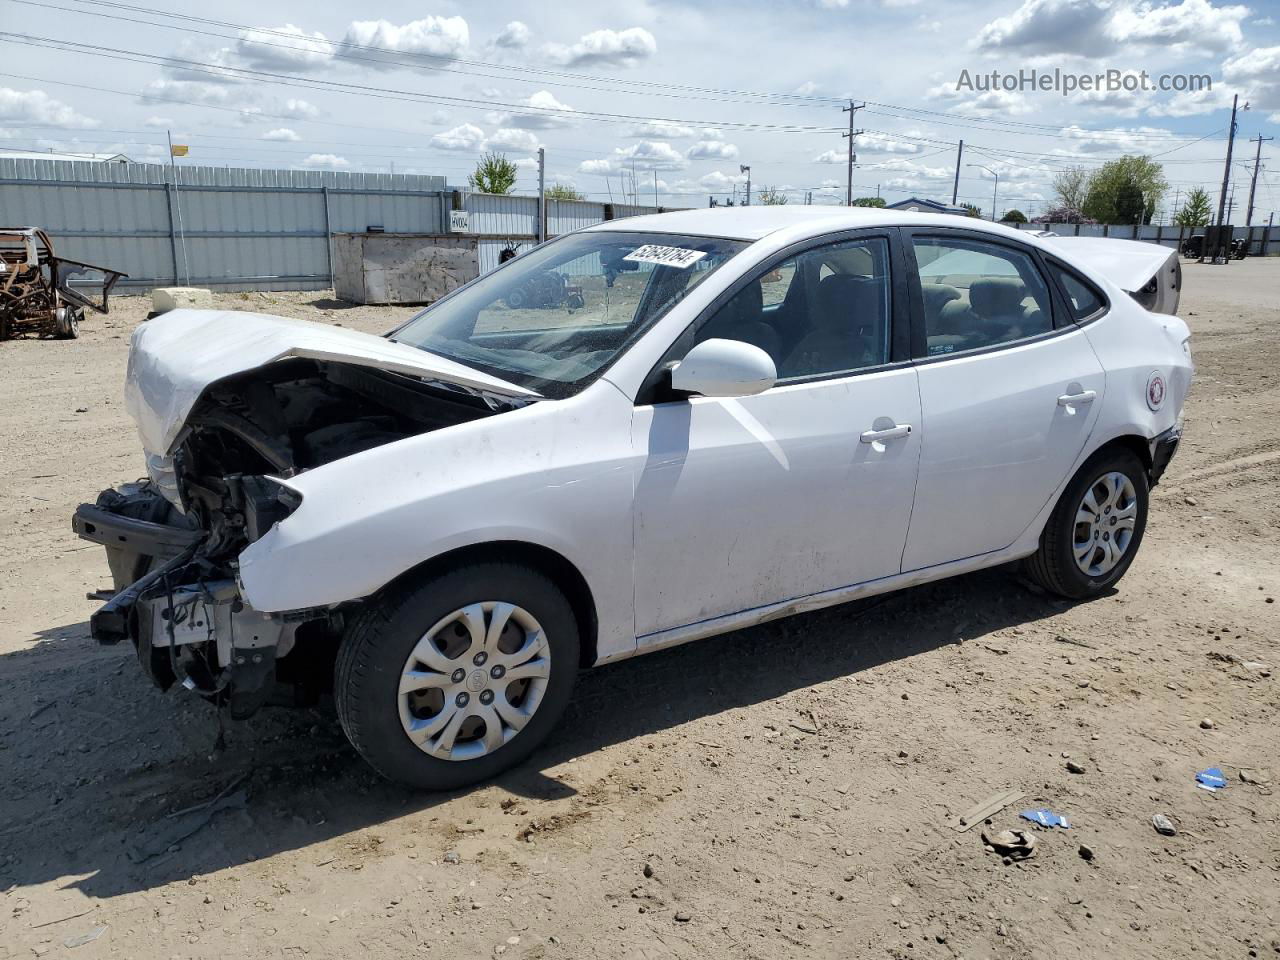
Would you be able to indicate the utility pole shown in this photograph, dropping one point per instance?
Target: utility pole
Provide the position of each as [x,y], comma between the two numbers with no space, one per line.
[1253,185]
[177,202]
[1218,254]
[746,168]
[995,192]
[955,188]
[851,110]
[542,195]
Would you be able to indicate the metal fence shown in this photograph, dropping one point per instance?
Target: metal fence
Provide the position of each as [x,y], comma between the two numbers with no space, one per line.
[1263,239]
[243,229]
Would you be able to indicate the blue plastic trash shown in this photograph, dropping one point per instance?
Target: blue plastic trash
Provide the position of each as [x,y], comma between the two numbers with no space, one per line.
[1046,818]
[1211,779]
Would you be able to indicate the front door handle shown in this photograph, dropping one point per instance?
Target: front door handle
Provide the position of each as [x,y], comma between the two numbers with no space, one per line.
[892,433]
[1071,399]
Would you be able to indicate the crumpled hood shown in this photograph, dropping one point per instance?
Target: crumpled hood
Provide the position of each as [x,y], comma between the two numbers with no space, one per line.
[174,358]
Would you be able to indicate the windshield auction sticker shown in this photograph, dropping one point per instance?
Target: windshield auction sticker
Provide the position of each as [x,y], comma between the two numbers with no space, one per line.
[677,257]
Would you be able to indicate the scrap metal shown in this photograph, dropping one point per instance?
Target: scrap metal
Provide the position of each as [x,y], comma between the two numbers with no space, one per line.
[36,298]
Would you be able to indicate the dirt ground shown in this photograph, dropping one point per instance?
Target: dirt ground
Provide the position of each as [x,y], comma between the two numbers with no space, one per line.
[791,788]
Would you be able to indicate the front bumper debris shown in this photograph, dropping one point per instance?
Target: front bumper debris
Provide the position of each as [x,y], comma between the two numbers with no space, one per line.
[183,613]
[1163,447]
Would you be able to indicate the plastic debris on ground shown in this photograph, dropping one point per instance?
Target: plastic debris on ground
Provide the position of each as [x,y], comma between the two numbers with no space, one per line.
[1211,779]
[1046,818]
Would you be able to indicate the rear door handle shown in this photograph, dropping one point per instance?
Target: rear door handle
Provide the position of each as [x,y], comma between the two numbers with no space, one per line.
[1071,399]
[893,433]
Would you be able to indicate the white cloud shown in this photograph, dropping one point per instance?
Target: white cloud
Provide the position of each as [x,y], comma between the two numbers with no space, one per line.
[430,37]
[651,155]
[299,110]
[329,160]
[540,102]
[602,166]
[162,123]
[609,48]
[884,143]
[1116,139]
[715,180]
[990,103]
[661,130]
[712,150]
[1257,73]
[711,133]
[1094,28]
[514,36]
[281,133]
[511,138]
[287,47]
[808,88]
[467,137]
[832,156]
[918,171]
[1196,23]
[195,91]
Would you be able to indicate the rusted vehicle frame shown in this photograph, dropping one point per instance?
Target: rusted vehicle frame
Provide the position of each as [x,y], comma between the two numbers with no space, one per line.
[35,297]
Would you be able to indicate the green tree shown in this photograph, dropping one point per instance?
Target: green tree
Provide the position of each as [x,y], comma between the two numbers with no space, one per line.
[494,174]
[1072,186]
[1196,211]
[772,197]
[1126,190]
[1014,216]
[562,191]
[868,201]
[972,210]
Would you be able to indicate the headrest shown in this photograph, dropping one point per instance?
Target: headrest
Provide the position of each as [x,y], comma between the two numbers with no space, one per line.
[997,296]
[936,295]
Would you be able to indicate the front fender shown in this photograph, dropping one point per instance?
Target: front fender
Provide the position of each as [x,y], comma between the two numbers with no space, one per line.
[555,474]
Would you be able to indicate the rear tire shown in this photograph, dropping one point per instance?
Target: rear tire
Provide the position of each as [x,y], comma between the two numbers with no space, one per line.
[457,641]
[1096,529]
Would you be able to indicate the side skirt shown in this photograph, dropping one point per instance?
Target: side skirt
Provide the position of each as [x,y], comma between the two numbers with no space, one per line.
[829,598]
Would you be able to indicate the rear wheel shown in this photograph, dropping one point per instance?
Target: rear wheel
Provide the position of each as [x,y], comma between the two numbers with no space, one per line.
[452,681]
[1096,528]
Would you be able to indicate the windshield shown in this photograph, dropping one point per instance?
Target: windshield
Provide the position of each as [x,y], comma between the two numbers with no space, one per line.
[555,318]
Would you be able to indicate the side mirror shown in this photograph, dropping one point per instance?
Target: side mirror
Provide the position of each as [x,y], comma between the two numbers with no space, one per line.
[725,368]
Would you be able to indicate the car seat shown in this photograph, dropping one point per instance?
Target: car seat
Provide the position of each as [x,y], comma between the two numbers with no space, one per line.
[742,319]
[846,329]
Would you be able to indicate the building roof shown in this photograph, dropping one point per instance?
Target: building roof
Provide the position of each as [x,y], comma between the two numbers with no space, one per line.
[45,155]
[937,205]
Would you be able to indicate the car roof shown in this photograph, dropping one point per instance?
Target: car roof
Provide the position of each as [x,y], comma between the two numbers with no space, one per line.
[754,223]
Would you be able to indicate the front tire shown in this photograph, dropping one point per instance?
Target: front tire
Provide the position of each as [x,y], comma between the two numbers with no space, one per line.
[451,681]
[1095,530]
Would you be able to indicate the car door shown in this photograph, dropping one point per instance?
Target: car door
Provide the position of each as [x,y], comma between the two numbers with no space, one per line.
[806,487]
[1008,397]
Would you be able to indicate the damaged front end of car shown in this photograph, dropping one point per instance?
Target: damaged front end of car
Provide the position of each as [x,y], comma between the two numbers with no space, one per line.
[173,541]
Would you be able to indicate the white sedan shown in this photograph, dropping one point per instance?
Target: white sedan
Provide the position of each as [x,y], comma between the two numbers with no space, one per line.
[642,433]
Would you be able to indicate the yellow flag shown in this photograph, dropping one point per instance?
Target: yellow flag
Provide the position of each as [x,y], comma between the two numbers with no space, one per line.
[177,150]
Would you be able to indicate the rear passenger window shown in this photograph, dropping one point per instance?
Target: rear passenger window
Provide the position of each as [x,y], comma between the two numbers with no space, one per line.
[979,295]
[1084,300]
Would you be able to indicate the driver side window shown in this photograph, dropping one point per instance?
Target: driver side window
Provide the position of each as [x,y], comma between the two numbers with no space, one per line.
[824,311]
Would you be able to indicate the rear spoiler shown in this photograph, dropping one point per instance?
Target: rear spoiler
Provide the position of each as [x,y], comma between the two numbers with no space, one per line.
[1148,272]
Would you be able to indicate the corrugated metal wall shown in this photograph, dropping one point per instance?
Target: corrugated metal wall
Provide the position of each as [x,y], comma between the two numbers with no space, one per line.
[1169,236]
[245,229]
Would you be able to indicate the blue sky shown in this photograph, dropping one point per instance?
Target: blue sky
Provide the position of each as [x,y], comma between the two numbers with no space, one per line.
[686,92]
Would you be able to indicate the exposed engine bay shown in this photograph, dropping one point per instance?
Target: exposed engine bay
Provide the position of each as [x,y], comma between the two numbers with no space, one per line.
[173,540]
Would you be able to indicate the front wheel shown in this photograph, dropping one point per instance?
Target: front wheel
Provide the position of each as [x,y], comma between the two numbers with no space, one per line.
[445,683]
[1095,530]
